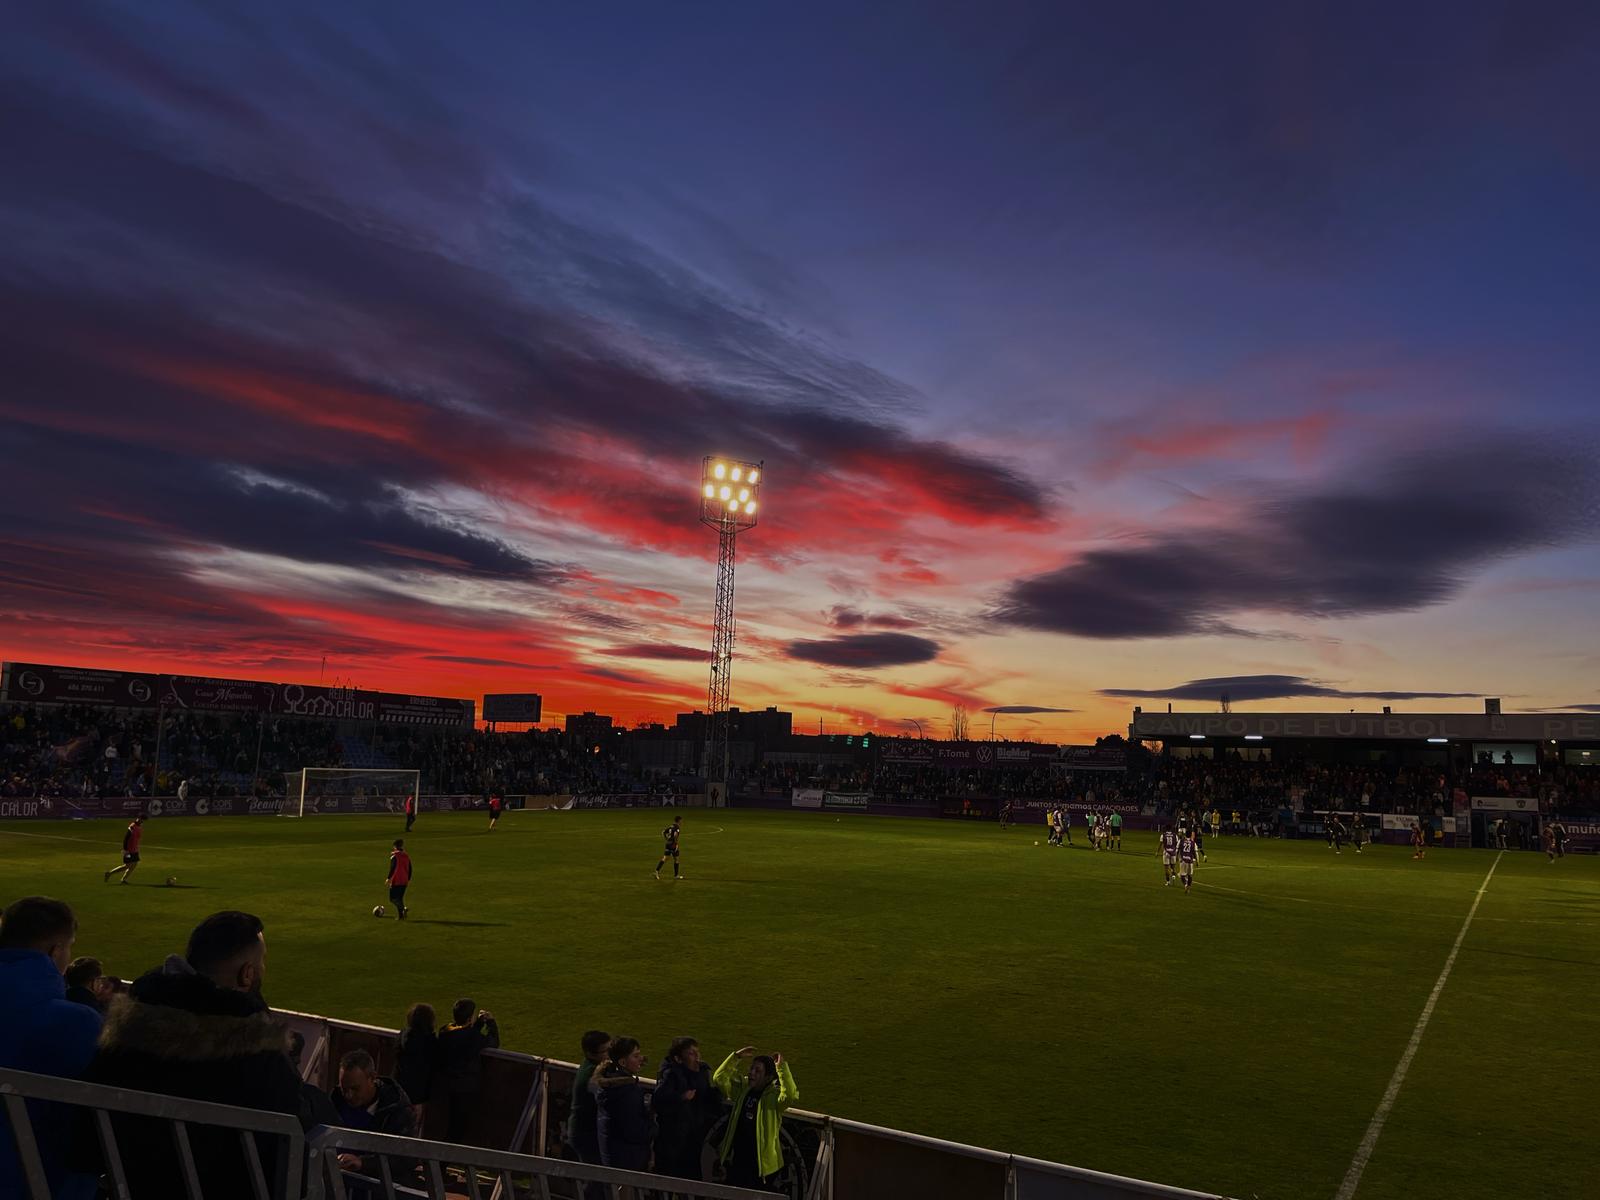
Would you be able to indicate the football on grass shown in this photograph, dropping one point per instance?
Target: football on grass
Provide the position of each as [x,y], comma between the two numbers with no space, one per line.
[378,911]
[172,881]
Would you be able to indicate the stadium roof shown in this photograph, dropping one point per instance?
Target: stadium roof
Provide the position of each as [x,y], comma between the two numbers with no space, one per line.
[1485,726]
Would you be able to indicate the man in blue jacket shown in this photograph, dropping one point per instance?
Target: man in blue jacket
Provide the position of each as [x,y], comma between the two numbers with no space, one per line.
[42,1031]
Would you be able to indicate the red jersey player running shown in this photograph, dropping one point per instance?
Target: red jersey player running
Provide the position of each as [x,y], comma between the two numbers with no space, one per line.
[494,810]
[130,851]
[399,876]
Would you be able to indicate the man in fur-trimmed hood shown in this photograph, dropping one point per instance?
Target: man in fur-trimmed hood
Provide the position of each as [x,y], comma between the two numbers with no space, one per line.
[197,1027]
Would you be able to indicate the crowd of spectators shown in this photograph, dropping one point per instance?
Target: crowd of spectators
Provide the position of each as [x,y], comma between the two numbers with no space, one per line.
[198,1027]
[616,1122]
[69,751]
[1160,785]
[72,751]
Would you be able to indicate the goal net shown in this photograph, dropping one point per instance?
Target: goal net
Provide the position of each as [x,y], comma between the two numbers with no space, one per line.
[314,791]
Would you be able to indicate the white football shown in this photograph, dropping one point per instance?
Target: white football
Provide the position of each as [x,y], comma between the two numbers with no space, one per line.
[378,911]
[1036,843]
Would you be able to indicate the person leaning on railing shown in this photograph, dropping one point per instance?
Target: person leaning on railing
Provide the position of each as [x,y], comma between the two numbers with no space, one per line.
[686,1105]
[751,1151]
[624,1124]
[375,1103]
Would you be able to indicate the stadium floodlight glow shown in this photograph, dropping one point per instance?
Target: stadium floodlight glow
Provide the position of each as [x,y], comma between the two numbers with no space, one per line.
[1197,737]
[1439,741]
[1252,737]
[728,512]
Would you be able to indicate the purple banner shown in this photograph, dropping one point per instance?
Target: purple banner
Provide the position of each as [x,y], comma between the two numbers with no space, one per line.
[955,756]
[215,695]
[1093,758]
[126,808]
[630,800]
[40,683]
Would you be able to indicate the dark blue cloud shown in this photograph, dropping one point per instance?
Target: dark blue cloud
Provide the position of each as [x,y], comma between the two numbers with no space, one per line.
[1269,687]
[1394,536]
[865,651]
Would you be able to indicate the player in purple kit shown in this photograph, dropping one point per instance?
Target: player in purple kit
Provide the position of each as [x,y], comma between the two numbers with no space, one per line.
[1169,855]
[1187,853]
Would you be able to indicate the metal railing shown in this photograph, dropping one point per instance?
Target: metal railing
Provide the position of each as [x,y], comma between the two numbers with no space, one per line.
[838,1159]
[18,1087]
[487,1174]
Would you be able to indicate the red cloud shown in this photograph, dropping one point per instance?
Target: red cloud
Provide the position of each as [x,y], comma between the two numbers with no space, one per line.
[1184,441]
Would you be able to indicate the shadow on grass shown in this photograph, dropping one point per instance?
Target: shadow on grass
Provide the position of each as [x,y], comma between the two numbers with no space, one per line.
[1577,962]
[1235,898]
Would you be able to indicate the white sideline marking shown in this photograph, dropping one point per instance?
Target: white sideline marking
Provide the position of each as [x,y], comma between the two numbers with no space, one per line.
[1358,1164]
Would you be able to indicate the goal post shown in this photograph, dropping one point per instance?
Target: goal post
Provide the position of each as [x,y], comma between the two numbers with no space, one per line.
[314,791]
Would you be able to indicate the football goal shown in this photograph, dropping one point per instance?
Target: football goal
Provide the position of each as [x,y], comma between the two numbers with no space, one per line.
[327,790]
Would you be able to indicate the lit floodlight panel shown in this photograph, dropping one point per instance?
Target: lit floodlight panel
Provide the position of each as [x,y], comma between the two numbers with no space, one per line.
[729,490]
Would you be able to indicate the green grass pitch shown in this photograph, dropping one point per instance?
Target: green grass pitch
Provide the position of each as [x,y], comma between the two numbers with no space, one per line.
[948,978]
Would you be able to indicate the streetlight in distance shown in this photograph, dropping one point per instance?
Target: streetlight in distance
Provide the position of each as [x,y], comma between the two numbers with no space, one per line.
[730,501]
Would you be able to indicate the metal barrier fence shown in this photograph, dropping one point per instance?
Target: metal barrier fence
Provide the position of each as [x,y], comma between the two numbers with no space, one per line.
[525,1100]
[520,1113]
[313,1160]
[18,1087]
[327,1179]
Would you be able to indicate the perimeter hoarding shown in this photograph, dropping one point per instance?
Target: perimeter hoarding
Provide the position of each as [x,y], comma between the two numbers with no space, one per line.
[43,683]
[956,756]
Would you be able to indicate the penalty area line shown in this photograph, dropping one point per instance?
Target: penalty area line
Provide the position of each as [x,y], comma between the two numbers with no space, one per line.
[1358,1164]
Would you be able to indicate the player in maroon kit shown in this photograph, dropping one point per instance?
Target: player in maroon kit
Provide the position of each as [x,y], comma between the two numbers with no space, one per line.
[1188,850]
[130,851]
[399,876]
[411,810]
[494,810]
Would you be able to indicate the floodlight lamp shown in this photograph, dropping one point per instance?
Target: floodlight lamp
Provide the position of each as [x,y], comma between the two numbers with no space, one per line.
[720,471]
[736,474]
[733,506]
[750,507]
[744,494]
[725,492]
[754,475]
[711,491]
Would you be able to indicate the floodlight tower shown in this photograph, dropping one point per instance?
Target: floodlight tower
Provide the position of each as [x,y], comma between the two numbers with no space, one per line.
[729,494]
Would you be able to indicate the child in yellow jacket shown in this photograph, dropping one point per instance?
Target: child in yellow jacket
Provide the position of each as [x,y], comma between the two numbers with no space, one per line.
[751,1151]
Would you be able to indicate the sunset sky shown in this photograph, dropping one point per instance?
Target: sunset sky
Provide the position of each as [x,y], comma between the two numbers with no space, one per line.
[1097,354]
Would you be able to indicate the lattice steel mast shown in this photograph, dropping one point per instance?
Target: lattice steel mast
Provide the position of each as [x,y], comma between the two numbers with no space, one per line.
[728,492]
